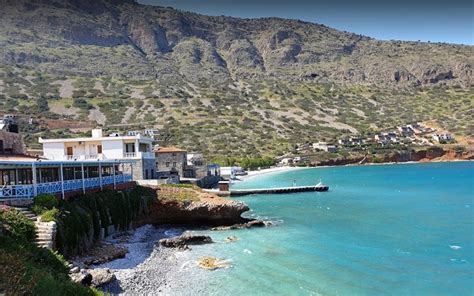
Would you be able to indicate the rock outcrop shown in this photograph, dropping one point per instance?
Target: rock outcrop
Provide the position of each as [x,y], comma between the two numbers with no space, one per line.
[249,224]
[185,240]
[203,208]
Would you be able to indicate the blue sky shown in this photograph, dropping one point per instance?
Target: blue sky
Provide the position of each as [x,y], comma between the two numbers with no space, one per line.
[436,21]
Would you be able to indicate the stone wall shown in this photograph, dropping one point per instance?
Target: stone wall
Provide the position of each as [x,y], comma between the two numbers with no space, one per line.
[142,169]
[12,143]
[164,158]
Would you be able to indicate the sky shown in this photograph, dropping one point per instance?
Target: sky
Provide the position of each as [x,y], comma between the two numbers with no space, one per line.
[448,21]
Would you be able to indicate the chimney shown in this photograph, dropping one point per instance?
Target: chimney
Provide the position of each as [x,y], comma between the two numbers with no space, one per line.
[97,133]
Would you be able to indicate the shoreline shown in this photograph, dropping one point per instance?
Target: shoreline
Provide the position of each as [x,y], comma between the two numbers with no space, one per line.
[152,269]
[255,173]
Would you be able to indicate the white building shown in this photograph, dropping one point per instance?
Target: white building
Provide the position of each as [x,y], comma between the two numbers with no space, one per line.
[114,147]
[324,147]
[443,138]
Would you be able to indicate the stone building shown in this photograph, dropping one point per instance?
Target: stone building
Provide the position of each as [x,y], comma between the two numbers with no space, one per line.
[170,159]
[11,143]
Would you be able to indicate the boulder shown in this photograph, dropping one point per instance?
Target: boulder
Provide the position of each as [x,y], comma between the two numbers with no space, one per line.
[212,263]
[101,276]
[83,278]
[231,239]
[184,240]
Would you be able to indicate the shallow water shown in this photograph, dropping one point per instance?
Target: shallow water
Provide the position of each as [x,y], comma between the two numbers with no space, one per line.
[391,229]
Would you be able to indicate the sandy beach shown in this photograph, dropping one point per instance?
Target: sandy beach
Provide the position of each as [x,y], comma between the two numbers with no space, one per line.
[269,170]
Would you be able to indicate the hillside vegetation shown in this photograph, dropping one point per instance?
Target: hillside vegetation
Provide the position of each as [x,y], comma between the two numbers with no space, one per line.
[219,85]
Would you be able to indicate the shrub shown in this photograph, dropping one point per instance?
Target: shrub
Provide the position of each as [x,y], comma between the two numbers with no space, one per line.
[16,225]
[46,201]
[49,215]
[30,270]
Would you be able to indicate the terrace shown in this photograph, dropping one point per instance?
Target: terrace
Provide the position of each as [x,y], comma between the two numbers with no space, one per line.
[24,179]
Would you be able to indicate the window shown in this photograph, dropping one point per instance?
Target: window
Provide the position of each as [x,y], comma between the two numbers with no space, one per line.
[146,173]
[99,149]
[174,164]
[167,164]
[174,154]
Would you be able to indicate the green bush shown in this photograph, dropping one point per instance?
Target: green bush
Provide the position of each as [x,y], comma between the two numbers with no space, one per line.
[49,215]
[16,225]
[30,270]
[46,201]
[74,223]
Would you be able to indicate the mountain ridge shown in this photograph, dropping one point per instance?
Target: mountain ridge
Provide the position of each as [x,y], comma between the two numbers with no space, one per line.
[231,48]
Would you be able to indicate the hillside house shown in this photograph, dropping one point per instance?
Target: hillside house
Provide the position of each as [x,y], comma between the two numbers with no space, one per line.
[325,147]
[405,130]
[113,147]
[443,138]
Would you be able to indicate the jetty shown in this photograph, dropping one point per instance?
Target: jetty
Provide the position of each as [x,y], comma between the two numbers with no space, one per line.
[293,189]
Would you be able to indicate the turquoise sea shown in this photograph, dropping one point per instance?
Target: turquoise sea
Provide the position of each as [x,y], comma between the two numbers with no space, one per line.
[380,230]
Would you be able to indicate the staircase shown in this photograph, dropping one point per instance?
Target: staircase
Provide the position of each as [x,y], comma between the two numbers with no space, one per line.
[45,231]
[45,234]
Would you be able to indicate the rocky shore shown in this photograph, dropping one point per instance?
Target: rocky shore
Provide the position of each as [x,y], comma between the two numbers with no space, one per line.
[432,154]
[158,259]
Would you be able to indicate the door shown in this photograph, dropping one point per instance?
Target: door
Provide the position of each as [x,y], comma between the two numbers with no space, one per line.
[99,149]
[69,151]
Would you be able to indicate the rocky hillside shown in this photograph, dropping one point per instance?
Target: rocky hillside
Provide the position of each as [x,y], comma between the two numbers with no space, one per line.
[219,85]
[125,39]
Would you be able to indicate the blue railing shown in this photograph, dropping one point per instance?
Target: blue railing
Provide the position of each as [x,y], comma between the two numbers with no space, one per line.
[16,191]
[26,191]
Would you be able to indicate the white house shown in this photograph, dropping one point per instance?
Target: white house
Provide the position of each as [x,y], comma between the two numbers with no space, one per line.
[113,147]
[324,147]
[443,138]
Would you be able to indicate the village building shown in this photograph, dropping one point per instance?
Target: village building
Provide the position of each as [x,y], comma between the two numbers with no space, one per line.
[113,147]
[405,130]
[23,177]
[170,160]
[382,139]
[443,138]
[325,147]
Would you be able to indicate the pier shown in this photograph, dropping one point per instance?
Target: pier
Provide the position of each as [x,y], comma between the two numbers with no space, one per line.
[280,190]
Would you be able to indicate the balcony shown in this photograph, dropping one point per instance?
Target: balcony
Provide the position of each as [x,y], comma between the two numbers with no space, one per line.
[84,157]
[146,155]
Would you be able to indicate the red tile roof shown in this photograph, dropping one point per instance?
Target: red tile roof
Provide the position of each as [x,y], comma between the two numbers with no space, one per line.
[168,150]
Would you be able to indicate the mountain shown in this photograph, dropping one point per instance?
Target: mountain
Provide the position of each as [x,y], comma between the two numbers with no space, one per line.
[136,41]
[117,61]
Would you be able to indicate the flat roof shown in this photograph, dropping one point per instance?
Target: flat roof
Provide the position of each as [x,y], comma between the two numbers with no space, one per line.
[92,139]
[17,157]
[28,162]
